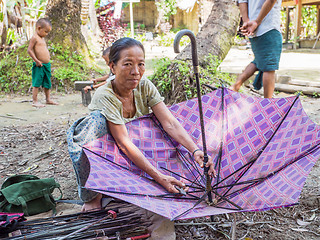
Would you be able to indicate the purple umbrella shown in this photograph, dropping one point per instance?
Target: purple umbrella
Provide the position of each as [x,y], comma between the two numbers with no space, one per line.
[263,149]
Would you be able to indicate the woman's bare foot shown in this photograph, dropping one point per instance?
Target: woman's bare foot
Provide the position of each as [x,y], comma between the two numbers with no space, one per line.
[94,204]
[37,105]
[50,102]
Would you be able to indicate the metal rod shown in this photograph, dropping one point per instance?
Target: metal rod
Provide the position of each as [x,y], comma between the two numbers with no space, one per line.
[85,227]
[266,144]
[195,63]
[156,121]
[219,158]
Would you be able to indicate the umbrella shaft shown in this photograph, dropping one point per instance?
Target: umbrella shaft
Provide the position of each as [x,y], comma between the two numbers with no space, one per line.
[201,115]
[205,155]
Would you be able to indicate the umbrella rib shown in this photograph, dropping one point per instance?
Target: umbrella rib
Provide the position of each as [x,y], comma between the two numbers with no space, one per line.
[224,198]
[264,147]
[278,127]
[188,167]
[192,163]
[192,182]
[117,164]
[239,183]
[304,154]
[219,158]
[155,120]
[244,188]
[195,166]
[168,195]
[188,210]
[239,177]
[309,151]
[246,165]
[134,173]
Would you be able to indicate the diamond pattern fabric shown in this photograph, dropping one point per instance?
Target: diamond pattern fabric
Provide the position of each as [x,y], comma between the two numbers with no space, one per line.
[263,150]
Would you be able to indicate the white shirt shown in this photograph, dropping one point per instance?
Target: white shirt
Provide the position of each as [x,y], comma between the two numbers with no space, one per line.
[271,21]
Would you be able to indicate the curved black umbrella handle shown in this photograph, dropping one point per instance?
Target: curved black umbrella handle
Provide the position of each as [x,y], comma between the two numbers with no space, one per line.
[192,37]
[195,63]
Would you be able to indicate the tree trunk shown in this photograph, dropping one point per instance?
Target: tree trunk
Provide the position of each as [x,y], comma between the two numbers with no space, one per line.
[217,34]
[94,20]
[66,30]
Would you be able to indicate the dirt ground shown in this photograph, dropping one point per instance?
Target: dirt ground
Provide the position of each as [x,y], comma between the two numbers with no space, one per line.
[33,141]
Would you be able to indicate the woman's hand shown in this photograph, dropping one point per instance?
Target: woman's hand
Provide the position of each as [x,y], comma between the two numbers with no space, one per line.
[169,183]
[199,157]
[86,89]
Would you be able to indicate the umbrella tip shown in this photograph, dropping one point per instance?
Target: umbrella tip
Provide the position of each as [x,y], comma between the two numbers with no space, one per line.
[181,190]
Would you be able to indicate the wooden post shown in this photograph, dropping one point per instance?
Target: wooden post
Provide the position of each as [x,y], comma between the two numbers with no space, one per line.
[297,23]
[85,96]
[131,20]
[131,15]
[318,19]
[287,25]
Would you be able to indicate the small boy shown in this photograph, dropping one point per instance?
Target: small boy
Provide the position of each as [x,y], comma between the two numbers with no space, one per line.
[105,56]
[41,70]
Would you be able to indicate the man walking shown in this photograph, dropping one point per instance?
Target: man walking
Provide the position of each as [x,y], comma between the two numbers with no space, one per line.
[261,23]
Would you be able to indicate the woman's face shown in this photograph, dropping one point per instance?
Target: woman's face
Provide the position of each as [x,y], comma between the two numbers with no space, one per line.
[130,67]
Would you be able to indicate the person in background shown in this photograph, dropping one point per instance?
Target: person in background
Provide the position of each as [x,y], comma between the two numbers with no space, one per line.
[102,80]
[261,23]
[41,70]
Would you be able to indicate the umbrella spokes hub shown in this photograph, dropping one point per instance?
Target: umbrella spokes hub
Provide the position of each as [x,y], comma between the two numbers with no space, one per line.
[213,202]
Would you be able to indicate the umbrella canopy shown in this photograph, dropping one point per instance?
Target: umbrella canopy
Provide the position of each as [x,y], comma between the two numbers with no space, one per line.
[263,150]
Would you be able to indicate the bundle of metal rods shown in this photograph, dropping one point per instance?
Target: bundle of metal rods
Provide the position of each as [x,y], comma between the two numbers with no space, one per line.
[117,221]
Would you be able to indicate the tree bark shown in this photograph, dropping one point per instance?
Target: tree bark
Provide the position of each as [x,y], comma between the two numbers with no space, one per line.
[94,20]
[217,34]
[66,26]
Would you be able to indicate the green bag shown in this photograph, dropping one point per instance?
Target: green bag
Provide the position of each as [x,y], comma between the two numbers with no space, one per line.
[28,194]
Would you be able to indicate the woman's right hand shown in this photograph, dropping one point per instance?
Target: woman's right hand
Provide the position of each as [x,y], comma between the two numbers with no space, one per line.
[87,88]
[169,183]
[94,81]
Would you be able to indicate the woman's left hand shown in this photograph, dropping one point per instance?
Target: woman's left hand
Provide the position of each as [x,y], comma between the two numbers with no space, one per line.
[87,88]
[199,157]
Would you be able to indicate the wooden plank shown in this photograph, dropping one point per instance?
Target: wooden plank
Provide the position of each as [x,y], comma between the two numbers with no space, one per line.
[304,83]
[291,3]
[288,3]
[294,89]
[79,85]
[310,2]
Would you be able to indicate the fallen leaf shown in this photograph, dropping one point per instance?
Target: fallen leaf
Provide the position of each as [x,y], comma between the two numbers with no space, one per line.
[303,223]
[300,229]
[34,166]
[274,228]
[312,217]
